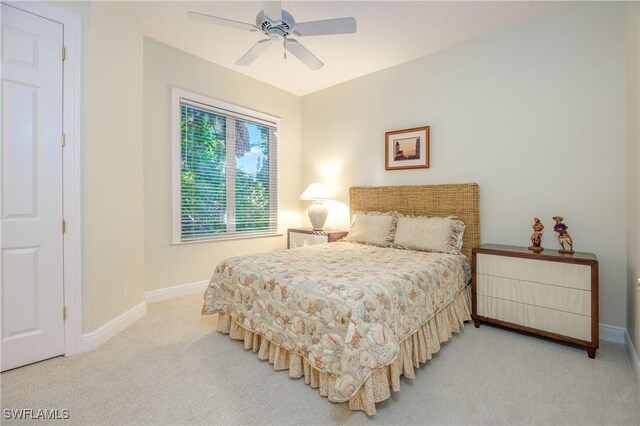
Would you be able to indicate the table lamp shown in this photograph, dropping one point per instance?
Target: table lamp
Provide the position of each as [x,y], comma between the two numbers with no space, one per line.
[316,193]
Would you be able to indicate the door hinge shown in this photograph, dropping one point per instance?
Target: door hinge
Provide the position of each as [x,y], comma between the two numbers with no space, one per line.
[63,140]
[64,53]
[64,313]
[64,226]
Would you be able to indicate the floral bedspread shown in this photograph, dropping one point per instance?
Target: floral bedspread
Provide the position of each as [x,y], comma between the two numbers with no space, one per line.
[343,306]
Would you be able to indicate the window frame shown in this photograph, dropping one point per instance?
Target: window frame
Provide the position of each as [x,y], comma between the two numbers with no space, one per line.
[177,96]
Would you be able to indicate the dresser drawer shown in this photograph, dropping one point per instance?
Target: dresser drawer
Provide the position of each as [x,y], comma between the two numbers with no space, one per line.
[552,273]
[554,321]
[298,239]
[546,296]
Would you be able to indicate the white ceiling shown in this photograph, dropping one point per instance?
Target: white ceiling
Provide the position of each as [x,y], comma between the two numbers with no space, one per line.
[389,33]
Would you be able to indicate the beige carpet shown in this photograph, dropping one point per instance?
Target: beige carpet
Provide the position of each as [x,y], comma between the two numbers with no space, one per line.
[173,368]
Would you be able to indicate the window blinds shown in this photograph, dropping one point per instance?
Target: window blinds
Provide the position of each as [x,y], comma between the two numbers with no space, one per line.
[228,174]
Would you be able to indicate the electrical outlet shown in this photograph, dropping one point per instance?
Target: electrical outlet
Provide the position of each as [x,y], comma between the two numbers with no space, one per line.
[638,284]
[125,289]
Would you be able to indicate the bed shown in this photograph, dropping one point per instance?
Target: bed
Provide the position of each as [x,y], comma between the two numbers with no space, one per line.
[352,318]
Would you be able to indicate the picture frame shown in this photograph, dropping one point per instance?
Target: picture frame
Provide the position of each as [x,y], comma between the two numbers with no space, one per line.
[407,149]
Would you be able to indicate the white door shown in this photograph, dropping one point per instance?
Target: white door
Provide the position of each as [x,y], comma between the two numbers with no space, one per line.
[31,209]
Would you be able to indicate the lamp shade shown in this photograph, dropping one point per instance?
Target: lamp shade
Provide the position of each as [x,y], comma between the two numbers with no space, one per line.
[315,191]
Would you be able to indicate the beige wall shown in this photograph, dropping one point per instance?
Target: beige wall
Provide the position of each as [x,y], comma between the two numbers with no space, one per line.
[112,197]
[536,114]
[632,36]
[168,265]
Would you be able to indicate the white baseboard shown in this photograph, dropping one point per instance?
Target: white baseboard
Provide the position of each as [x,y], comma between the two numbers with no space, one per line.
[92,340]
[620,335]
[612,333]
[633,356]
[176,291]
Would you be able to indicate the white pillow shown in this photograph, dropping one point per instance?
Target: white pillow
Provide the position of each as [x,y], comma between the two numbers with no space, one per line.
[437,234]
[373,228]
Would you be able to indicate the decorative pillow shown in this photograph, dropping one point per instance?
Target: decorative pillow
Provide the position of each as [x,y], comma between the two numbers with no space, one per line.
[438,234]
[373,228]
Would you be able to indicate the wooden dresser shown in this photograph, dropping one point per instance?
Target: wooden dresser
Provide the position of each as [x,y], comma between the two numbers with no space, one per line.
[548,293]
[303,237]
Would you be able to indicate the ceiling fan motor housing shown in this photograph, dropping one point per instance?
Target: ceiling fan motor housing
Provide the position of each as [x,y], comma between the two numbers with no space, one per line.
[276,30]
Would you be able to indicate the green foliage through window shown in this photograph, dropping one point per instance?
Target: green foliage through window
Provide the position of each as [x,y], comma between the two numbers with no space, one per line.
[227,175]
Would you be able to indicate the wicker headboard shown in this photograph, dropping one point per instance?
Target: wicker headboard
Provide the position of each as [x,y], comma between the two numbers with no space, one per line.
[462,200]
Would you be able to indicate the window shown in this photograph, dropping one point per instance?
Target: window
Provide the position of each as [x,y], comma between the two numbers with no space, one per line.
[225,170]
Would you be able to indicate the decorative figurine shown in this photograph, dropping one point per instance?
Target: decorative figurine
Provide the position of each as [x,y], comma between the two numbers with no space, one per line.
[563,235]
[536,237]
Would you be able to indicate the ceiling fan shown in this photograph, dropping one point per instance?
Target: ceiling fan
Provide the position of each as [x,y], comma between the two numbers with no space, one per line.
[278,25]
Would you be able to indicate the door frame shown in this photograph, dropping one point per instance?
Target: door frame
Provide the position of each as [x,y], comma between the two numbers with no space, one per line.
[71,156]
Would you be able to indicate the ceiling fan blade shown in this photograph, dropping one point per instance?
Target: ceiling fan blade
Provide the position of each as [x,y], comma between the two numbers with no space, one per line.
[326,27]
[258,49]
[272,10]
[301,52]
[222,21]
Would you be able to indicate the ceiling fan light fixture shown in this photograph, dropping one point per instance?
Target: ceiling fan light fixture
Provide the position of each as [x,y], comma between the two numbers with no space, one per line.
[276,34]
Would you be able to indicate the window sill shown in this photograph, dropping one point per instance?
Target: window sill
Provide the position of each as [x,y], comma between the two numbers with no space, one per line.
[229,238]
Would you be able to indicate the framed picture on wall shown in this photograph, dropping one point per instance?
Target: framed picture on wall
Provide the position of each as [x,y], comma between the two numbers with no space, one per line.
[407,149]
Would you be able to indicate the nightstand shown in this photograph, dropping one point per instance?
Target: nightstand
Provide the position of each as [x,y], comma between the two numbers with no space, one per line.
[548,293]
[303,237]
